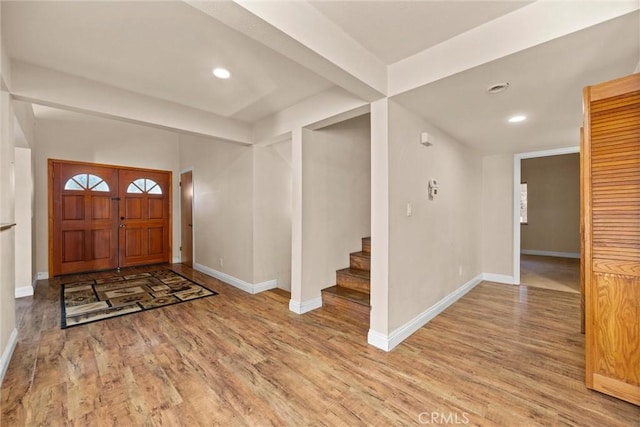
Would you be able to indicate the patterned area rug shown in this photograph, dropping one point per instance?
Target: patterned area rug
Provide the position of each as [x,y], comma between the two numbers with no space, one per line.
[92,300]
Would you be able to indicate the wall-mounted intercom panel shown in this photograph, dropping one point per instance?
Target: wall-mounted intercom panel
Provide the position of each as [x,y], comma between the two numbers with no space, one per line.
[433,188]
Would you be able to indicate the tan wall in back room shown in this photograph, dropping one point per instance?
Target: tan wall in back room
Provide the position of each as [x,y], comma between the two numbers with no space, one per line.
[553,204]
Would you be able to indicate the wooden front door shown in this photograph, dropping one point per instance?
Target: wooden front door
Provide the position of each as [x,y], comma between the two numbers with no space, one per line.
[186,218]
[611,209]
[105,217]
[84,217]
[144,217]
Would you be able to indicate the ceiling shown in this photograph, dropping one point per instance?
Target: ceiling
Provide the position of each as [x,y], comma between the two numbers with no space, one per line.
[166,50]
[162,49]
[546,85]
[394,30]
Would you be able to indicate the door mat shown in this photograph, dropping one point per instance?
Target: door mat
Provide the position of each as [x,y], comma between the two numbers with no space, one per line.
[92,300]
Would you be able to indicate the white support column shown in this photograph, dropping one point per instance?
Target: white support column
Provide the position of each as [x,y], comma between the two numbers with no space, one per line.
[379,323]
[296,304]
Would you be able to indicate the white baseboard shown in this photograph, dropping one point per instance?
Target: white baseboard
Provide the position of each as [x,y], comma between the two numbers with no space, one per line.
[42,275]
[234,281]
[265,286]
[24,291]
[388,342]
[301,307]
[499,278]
[575,255]
[7,353]
[378,340]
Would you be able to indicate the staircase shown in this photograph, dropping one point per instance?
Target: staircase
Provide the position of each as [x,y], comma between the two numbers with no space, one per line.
[350,295]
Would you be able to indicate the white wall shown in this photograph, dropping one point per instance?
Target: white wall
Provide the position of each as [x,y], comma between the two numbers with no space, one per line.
[8,333]
[336,200]
[223,204]
[272,214]
[24,221]
[497,215]
[436,250]
[73,136]
[553,204]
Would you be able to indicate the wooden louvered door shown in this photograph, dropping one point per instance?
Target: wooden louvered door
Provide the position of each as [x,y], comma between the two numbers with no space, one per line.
[611,209]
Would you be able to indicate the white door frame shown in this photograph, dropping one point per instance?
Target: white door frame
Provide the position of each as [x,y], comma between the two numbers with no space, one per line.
[517,158]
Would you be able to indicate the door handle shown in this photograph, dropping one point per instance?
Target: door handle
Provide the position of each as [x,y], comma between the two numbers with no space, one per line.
[122,226]
[189,225]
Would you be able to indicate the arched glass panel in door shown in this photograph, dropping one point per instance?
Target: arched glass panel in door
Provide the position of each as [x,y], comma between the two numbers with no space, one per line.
[86,181]
[144,185]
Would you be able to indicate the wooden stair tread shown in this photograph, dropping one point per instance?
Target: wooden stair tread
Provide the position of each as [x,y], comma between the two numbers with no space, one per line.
[363,274]
[349,294]
[361,254]
[366,244]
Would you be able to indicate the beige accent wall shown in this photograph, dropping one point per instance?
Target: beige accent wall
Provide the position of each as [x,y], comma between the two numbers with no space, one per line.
[272,214]
[553,186]
[437,249]
[79,137]
[497,214]
[223,204]
[336,200]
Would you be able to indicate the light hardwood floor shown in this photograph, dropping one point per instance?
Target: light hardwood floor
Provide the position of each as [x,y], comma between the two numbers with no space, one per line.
[561,274]
[502,355]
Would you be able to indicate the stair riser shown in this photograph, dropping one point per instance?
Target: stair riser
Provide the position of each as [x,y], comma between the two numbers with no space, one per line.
[366,245]
[344,305]
[360,262]
[353,282]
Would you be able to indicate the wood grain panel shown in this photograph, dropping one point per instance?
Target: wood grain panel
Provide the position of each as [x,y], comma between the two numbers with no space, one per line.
[616,387]
[612,89]
[134,242]
[616,267]
[155,240]
[617,332]
[155,208]
[101,207]
[133,207]
[73,244]
[101,242]
[72,207]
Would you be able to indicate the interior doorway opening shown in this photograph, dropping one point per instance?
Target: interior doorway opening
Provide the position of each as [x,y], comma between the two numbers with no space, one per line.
[517,215]
[550,222]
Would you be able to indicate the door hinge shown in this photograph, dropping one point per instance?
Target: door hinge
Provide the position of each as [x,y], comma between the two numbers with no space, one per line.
[181,248]
[180,184]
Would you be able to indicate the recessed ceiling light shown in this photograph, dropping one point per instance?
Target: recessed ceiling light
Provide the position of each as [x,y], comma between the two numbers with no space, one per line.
[221,73]
[499,87]
[517,119]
